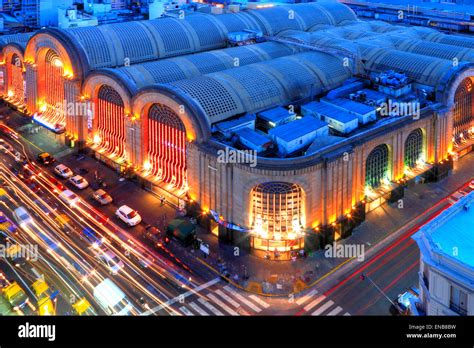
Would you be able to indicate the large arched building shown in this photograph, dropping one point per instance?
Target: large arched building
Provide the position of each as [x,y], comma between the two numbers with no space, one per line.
[171,98]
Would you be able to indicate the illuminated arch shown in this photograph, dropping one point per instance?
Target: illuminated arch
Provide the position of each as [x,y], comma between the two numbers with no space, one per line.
[15,79]
[277,214]
[110,121]
[414,147]
[463,111]
[166,145]
[377,166]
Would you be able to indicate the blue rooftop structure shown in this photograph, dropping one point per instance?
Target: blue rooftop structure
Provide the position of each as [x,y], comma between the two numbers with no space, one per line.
[330,111]
[253,139]
[352,105]
[296,129]
[277,115]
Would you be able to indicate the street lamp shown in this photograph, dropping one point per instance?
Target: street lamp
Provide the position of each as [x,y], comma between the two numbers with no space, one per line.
[365,276]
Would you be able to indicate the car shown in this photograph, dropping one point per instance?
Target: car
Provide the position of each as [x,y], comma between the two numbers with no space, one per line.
[6,147]
[153,234]
[45,158]
[8,131]
[128,215]
[471,185]
[63,171]
[22,216]
[455,197]
[111,261]
[56,183]
[403,303]
[59,128]
[79,182]
[102,197]
[26,173]
[69,197]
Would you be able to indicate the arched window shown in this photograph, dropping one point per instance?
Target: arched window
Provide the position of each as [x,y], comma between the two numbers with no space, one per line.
[377,166]
[167,145]
[277,210]
[53,109]
[414,148]
[463,118]
[16,80]
[110,115]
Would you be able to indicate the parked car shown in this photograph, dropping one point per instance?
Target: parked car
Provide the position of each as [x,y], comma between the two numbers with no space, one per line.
[153,234]
[69,197]
[102,197]
[45,158]
[128,215]
[79,182]
[456,197]
[111,261]
[63,171]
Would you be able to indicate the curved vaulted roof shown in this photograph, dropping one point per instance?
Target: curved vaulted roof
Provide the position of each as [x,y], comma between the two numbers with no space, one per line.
[19,39]
[263,85]
[120,44]
[418,53]
[189,66]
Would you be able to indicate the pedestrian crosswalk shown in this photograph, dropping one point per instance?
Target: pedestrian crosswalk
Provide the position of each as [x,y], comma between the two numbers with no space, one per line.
[317,305]
[225,301]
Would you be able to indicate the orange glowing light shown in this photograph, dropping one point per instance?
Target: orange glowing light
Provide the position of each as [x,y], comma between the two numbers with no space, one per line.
[147,166]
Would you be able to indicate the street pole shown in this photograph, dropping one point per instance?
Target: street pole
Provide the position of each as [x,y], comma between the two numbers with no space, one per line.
[364,276]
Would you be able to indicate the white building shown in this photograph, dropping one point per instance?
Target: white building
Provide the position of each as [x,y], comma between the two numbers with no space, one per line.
[338,119]
[294,136]
[365,113]
[70,18]
[447,261]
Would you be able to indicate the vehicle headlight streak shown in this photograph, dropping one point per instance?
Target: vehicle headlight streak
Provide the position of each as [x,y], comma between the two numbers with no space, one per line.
[41,180]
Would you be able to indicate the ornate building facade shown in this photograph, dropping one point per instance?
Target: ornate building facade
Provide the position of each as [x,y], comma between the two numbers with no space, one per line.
[151,101]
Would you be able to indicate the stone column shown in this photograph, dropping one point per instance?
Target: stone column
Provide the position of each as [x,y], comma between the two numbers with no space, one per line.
[3,77]
[74,109]
[31,88]
[133,140]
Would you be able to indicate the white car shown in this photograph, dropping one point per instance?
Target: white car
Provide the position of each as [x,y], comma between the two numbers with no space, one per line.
[79,182]
[69,197]
[111,261]
[471,185]
[128,215]
[22,216]
[63,171]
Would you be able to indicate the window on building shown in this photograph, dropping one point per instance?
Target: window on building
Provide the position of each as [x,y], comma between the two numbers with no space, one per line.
[463,118]
[111,120]
[377,166]
[414,148]
[277,212]
[167,145]
[458,301]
